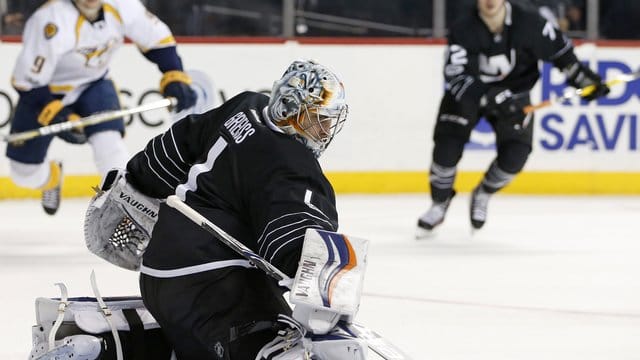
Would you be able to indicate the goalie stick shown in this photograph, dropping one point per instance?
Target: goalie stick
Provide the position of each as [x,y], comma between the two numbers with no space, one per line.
[375,342]
[87,121]
[228,240]
[572,93]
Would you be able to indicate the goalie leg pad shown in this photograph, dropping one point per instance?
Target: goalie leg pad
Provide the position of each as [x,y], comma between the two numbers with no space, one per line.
[85,334]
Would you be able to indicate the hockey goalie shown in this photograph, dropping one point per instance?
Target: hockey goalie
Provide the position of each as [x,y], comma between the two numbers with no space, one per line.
[249,169]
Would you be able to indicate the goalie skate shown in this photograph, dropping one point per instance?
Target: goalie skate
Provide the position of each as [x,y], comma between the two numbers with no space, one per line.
[378,344]
[76,347]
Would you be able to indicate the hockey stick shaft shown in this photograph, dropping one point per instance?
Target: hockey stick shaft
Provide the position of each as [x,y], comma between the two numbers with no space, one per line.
[259,262]
[87,121]
[375,342]
[622,79]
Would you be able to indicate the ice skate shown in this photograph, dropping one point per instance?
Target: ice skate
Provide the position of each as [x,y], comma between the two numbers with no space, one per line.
[478,209]
[51,196]
[432,218]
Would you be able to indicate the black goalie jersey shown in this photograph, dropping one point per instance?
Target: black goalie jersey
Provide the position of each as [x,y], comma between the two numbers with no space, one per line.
[477,59]
[236,168]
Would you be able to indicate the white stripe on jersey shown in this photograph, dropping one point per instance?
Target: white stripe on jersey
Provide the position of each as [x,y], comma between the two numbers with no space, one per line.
[164,148]
[173,139]
[214,265]
[271,241]
[154,171]
[307,200]
[283,231]
[275,252]
[155,155]
[263,236]
[212,156]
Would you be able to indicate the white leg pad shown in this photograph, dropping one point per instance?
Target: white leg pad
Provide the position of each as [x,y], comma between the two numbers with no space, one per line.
[31,176]
[109,151]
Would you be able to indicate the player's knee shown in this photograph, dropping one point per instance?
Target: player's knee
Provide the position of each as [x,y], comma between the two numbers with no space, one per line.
[29,175]
[513,156]
[447,150]
[109,151]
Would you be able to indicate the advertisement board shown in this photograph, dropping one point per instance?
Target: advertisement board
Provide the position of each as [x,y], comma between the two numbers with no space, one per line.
[394,92]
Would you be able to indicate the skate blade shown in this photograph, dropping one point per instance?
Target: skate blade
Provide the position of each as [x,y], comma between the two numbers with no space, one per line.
[475,231]
[422,233]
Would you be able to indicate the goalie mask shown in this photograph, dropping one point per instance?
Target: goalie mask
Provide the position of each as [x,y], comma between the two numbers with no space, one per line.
[308,102]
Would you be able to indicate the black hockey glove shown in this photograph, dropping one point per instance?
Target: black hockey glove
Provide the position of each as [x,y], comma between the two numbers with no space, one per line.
[176,84]
[580,77]
[504,105]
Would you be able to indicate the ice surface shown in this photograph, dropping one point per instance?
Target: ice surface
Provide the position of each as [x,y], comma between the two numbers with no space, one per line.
[547,278]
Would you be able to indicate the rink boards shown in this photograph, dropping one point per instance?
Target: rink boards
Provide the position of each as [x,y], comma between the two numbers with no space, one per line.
[394,92]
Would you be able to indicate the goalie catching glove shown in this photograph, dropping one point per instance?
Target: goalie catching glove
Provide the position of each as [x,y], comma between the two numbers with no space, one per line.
[119,221]
[582,77]
[176,84]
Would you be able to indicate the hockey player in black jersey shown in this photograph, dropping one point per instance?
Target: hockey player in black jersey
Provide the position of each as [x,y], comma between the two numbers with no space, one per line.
[491,65]
[249,166]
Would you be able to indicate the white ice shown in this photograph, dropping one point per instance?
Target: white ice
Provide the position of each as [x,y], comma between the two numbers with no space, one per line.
[547,278]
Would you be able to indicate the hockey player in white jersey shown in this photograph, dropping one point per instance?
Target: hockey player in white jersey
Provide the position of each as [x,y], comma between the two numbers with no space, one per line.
[62,74]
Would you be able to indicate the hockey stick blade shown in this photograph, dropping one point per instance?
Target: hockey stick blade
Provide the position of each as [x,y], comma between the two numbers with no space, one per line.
[258,261]
[570,94]
[375,342]
[381,346]
[87,121]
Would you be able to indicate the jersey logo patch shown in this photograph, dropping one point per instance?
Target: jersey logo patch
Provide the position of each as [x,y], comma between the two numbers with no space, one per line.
[50,30]
[497,67]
